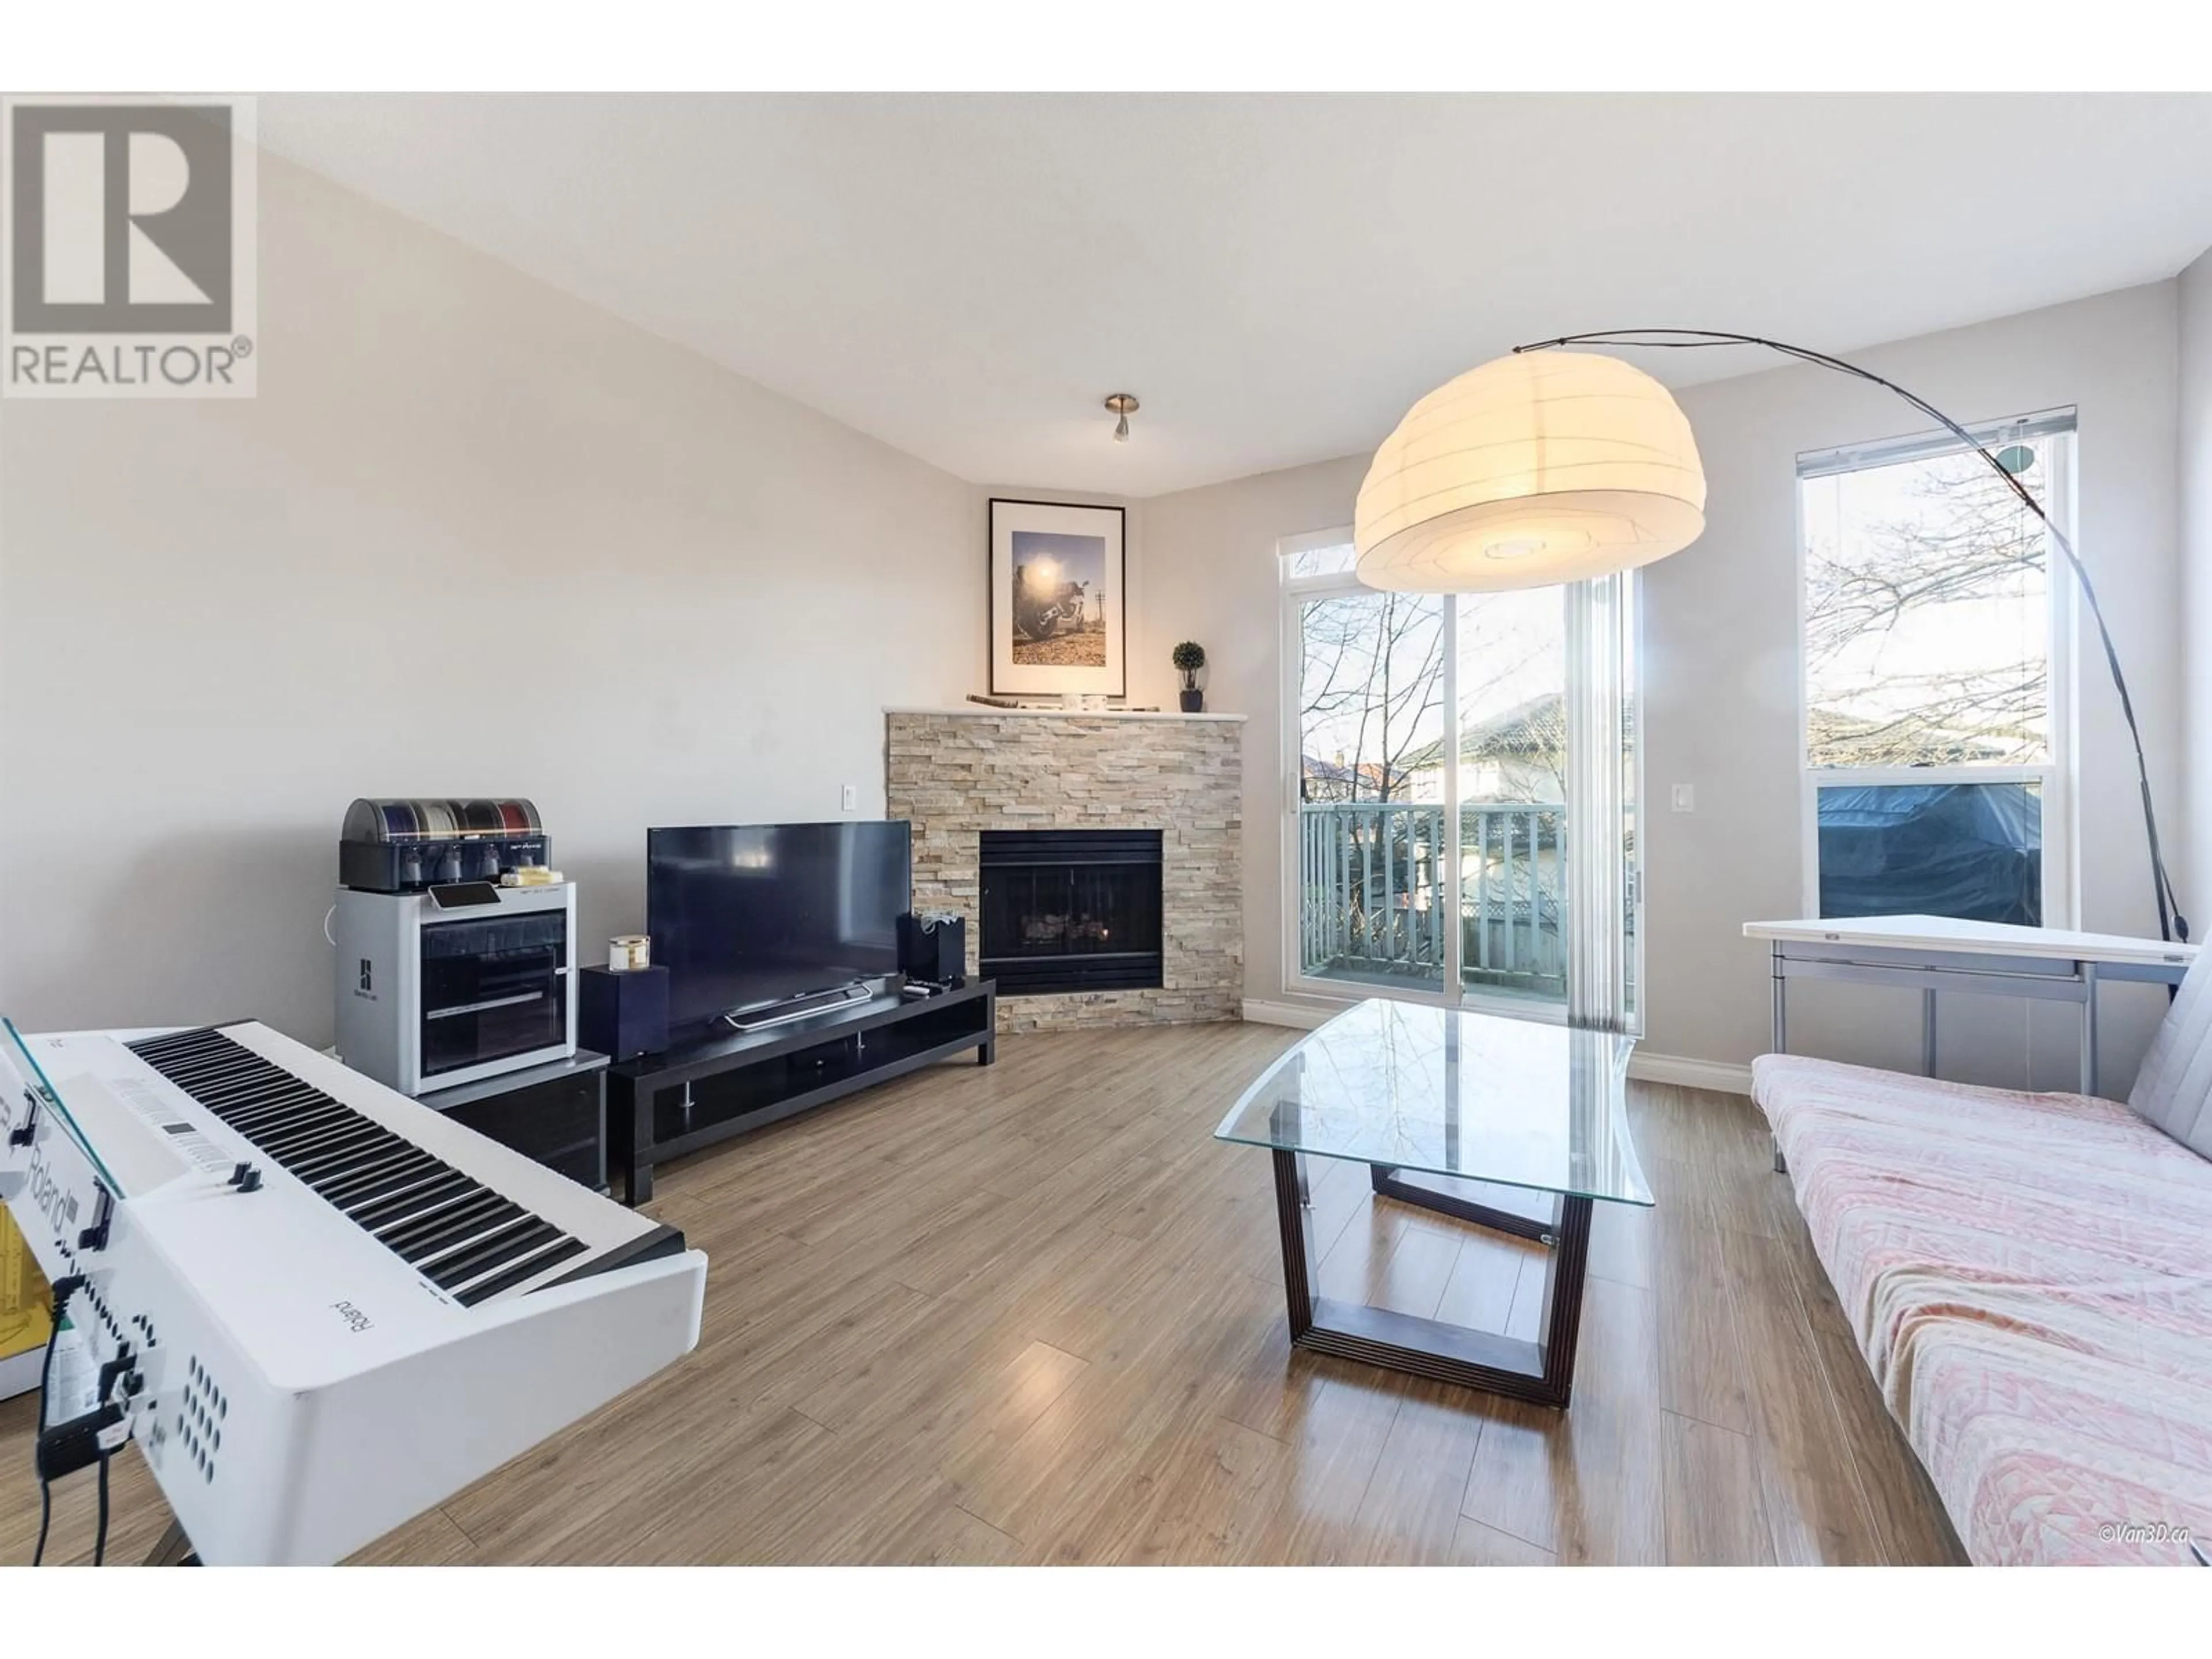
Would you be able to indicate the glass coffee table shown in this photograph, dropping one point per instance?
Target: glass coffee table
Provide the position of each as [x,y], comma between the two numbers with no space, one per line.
[1413,1092]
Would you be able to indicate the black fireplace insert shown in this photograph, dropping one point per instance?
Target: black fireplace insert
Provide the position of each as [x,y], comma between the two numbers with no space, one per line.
[1070,909]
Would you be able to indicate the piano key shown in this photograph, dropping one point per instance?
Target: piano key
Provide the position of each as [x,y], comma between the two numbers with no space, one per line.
[411,1199]
[353,1156]
[217,1086]
[303,1153]
[275,1092]
[376,1144]
[349,1151]
[241,1084]
[461,1234]
[342,1186]
[406,1219]
[278,1117]
[273,1106]
[409,1172]
[430,1239]
[447,1197]
[190,1045]
[168,1052]
[281,1144]
[496,1250]
[291,1114]
[190,1034]
[240,1076]
[380,1178]
[419,1210]
[411,1196]
[368,1133]
[290,1140]
[468,1295]
[435,1260]
[294,1138]
[214,1070]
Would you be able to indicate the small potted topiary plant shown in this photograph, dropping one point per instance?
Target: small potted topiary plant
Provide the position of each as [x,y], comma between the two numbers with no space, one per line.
[1189,657]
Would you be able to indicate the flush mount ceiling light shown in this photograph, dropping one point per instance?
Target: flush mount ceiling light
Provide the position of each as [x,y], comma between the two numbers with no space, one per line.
[1123,403]
[1533,470]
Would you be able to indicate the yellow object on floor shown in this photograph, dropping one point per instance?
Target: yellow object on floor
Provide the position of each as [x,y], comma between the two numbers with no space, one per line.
[26,1303]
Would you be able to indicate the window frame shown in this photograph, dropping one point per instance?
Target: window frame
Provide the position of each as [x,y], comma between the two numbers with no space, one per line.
[2056,775]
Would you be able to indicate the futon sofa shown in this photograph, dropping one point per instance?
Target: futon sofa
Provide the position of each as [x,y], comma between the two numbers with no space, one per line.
[2029,1277]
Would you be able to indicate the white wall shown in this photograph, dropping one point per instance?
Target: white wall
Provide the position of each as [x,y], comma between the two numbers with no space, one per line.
[1721,673]
[2194,306]
[473,538]
[1721,678]
[1210,576]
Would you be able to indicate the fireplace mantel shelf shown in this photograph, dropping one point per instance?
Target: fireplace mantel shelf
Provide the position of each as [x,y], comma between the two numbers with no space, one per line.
[985,712]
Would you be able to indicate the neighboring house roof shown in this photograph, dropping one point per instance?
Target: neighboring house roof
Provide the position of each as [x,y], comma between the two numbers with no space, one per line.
[1535,730]
[1850,740]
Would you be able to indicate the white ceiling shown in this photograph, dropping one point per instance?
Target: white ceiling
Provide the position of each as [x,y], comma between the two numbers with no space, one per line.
[1276,277]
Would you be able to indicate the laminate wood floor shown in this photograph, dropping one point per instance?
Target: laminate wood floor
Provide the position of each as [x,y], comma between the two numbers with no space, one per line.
[1033,1313]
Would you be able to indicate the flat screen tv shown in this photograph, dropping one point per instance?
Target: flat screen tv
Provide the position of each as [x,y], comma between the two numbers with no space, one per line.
[745,917]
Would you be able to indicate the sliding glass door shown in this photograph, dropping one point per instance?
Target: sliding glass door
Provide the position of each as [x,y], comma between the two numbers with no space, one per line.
[1510,658]
[1461,824]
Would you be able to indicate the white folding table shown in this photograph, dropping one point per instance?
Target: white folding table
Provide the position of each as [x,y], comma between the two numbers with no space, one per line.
[1989,958]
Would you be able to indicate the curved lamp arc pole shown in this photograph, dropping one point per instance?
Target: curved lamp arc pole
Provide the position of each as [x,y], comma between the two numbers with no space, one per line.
[2172,924]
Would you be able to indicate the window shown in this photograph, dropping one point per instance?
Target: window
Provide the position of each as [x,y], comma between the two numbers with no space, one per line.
[1933,662]
[1435,742]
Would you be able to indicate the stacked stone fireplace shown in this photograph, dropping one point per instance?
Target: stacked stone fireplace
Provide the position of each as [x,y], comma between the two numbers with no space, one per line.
[1072,910]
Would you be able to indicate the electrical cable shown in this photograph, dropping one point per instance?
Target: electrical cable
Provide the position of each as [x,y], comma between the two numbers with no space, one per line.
[62,1288]
[100,1538]
[2172,924]
[45,1490]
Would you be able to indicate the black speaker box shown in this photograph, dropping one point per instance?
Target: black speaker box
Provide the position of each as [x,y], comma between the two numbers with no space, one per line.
[622,1015]
[933,949]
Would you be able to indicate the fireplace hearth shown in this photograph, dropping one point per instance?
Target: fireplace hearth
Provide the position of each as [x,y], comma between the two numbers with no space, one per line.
[1070,909]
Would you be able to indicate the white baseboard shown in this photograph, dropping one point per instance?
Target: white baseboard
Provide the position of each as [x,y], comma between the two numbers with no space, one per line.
[1288,1014]
[1728,1078]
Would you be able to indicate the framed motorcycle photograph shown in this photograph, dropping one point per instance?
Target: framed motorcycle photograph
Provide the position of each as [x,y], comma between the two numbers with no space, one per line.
[1059,602]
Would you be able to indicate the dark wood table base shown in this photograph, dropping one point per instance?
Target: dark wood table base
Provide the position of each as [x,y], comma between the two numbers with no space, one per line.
[1541,1372]
[1388,1183]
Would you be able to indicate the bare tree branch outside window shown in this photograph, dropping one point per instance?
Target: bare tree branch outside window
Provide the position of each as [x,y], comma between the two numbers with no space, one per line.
[1371,698]
[1925,618]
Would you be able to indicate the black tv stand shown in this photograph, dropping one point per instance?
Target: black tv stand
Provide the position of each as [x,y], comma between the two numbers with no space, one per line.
[665,1106]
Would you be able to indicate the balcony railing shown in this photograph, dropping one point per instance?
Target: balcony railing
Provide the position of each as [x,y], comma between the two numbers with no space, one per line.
[1372,894]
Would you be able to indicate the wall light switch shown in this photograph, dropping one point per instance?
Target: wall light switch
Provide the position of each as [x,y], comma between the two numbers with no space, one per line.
[852,802]
[1685,797]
